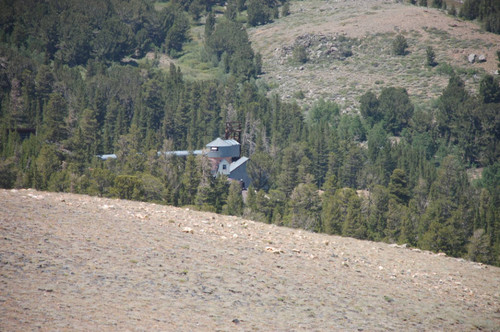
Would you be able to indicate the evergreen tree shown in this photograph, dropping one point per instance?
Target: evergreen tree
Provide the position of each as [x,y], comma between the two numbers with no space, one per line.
[231,10]
[369,108]
[334,210]
[190,180]
[397,108]
[285,9]
[209,25]
[260,170]
[377,213]
[47,164]
[305,207]
[354,223]
[53,127]
[85,142]
[431,56]
[399,45]
[234,200]
[489,89]
[258,12]
[398,187]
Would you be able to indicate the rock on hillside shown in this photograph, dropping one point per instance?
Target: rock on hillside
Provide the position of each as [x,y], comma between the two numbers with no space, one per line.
[71,262]
[365,59]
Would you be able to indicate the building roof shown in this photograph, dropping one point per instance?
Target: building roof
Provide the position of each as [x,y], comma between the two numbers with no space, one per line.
[219,142]
[237,163]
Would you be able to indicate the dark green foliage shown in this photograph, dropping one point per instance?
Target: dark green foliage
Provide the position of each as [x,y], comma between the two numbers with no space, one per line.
[209,25]
[9,173]
[438,3]
[324,112]
[469,9]
[190,180]
[231,10]
[399,45]
[260,170]
[422,3]
[397,108]
[54,126]
[354,223]
[453,10]
[392,173]
[398,187]
[431,56]
[230,46]
[487,11]
[259,12]
[369,108]
[305,207]
[196,8]
[285,9]
[234,200]
[126,187]
[489,89]
[177,32]
[74,32]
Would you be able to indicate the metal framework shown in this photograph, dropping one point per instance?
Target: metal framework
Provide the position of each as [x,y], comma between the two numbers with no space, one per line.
[233,131]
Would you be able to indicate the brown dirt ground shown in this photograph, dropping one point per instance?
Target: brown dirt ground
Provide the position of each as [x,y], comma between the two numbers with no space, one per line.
[374,23]
[71,262]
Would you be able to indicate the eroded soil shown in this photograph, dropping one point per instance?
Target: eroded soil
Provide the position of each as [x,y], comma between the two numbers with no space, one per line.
[72,262]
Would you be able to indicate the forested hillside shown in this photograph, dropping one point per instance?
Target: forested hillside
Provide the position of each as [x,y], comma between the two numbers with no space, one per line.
[75,84]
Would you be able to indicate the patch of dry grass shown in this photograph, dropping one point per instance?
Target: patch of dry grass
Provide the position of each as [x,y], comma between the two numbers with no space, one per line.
[374,23]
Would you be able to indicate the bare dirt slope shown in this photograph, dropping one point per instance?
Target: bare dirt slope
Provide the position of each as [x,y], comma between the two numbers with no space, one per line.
[372,25]
[70,262]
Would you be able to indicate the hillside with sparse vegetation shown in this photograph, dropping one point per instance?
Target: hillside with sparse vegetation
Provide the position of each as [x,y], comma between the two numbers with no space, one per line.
[371,119]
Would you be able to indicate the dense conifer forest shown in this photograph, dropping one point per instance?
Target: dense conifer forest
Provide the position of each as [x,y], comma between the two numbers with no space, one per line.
[74,84]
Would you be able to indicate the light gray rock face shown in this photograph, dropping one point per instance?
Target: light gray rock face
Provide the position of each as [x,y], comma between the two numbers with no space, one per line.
[472,58]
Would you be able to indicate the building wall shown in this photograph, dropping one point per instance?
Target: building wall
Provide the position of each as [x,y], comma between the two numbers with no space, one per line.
[224,151]
[216,161]
[240,174]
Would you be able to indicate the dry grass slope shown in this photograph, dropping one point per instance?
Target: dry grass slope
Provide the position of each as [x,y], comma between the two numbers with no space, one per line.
[71,262]
[374,24]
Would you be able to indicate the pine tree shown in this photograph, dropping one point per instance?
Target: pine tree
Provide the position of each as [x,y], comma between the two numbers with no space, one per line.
[354,223]
[234,200]
[489,89]
[399,45]
[209,25]
[431,56]
[398,187]
[190,180]
[305,207]
[47,164]
[285,10]
[53,127]
[334,210]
